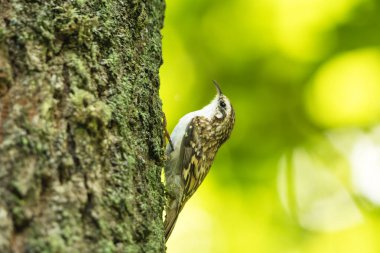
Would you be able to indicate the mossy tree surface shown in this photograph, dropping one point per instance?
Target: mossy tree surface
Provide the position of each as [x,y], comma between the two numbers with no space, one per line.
[81,146]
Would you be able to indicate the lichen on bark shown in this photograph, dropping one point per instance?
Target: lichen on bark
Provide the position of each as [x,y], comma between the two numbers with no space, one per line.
[81,147]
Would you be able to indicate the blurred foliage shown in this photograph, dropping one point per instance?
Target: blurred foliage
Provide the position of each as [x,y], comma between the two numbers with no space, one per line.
[301,170]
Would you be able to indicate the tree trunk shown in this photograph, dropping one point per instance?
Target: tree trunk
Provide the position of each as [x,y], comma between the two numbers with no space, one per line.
[81,147]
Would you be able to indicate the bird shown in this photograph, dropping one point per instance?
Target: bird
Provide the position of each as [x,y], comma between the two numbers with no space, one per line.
[190,153]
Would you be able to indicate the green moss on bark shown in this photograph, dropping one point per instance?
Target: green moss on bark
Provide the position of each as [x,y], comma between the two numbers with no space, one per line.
[81,147]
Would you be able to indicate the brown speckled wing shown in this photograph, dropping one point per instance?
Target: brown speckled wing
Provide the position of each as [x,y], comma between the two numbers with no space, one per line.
[188,158]
[191,147]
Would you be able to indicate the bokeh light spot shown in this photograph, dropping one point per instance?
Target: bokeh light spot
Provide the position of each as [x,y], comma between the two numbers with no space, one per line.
[365,160]
[346,90]
[311,193]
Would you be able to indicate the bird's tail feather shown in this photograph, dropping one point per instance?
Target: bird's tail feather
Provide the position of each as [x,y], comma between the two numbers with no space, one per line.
[170,220]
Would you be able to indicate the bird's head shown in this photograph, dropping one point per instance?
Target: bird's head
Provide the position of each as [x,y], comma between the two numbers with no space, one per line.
[221,115]
[223,110]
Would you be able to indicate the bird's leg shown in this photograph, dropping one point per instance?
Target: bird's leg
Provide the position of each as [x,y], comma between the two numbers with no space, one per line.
[167,135]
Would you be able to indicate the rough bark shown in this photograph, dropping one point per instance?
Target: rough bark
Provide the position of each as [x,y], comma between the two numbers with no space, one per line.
[81,148]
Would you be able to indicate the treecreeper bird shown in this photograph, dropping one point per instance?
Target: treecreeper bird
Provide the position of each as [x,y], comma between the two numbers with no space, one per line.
[195,141]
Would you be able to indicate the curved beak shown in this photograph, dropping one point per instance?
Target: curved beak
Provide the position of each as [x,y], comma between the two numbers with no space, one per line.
[217,87]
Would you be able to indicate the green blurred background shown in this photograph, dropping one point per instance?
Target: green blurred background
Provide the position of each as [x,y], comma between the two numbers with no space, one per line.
[301,171]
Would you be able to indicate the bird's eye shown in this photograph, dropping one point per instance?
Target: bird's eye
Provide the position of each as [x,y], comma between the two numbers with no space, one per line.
[222,104]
